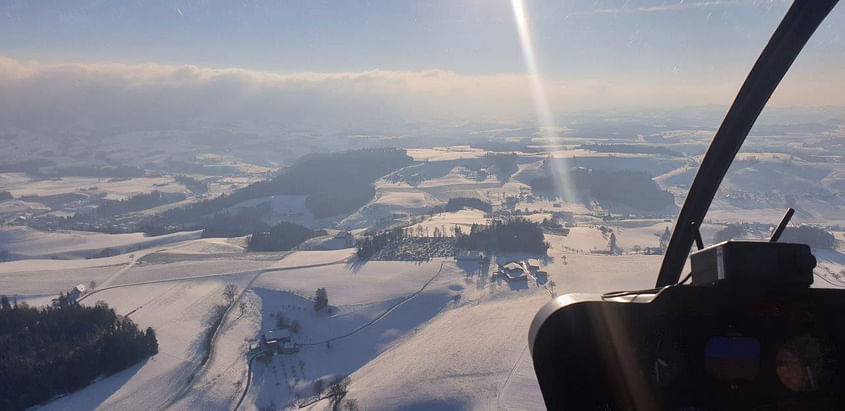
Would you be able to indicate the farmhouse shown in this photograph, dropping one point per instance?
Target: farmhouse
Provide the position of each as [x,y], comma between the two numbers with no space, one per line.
[73,294]
[513,271]
[76,292]
[276,336]
[278,341]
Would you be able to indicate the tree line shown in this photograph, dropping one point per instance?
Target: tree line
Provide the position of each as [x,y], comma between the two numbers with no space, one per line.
[635,189]
[138,202]
[332,183]
[196,186]
[512,235]
[263,237]
[59,349]
[503,164]
[458,203]
[44,168]
[370,245]
[281,237]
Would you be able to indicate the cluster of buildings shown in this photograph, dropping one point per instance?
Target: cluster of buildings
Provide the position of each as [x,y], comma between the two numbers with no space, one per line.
[278,341]
[520,270]
[72,295]
[511,270]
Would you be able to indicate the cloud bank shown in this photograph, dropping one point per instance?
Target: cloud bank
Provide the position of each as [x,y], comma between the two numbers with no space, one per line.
[104,96]
[70,97]
[681,5]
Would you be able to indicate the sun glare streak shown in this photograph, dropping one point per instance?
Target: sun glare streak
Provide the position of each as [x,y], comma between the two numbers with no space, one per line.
[548,130]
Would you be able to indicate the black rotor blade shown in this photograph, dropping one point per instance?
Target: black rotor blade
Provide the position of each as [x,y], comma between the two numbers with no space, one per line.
[802,19]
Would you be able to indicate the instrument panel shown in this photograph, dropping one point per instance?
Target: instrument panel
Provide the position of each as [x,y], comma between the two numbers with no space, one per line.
[693,348]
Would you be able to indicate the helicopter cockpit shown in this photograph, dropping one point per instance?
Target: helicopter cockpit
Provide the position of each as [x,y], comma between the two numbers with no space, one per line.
[743,330]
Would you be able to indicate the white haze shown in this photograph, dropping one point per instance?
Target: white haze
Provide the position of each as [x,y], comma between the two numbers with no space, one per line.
[77,96]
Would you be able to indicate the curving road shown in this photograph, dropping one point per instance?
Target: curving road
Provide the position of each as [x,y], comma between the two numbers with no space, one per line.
[362,327]
[248,381]
[212,347]
[382,315]
[257,273]
[167,280]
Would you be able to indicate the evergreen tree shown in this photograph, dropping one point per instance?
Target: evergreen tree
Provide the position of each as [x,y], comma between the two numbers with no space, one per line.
[62,348]
[150,341]
[321,299]
[614,249]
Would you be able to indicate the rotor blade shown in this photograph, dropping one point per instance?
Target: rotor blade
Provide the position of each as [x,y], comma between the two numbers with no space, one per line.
[802,19]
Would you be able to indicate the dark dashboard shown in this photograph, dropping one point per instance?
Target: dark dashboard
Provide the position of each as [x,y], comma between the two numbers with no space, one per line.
[693,348]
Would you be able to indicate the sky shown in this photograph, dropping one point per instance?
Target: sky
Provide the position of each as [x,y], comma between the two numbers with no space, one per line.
[76,63]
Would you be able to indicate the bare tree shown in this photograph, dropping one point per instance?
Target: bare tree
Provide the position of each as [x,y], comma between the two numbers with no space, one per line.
[340,387]
[338,390]
[665,237]
[350,404]
[230,291]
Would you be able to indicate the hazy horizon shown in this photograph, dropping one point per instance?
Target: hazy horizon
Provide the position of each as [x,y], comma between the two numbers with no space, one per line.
[87,65]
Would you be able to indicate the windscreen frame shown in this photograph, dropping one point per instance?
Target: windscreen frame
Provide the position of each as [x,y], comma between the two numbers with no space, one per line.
[793,32]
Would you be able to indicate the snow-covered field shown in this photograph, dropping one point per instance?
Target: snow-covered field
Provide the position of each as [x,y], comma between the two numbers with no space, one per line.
[465,333]
[445,153]
[114,188]
[309,258]
[435,335]
[447,221]
[23,242]
[438,334]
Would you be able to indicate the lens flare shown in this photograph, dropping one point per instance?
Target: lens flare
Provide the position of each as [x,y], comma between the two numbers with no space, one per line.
[548,130]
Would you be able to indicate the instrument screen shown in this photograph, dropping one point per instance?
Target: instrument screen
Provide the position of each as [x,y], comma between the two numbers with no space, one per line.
[732,359]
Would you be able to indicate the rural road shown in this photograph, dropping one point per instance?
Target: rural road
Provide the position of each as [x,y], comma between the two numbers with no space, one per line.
[212,347]
[362,327]
[167,280]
